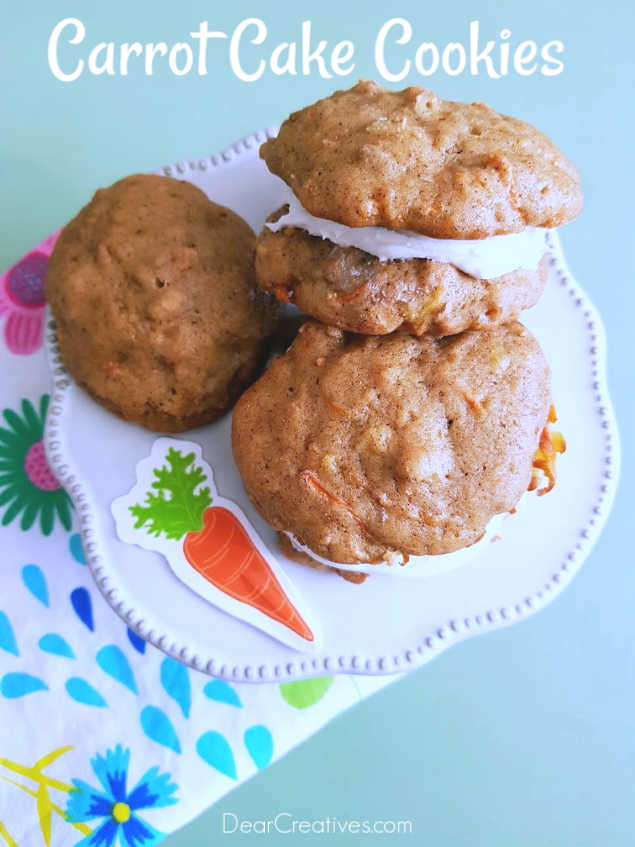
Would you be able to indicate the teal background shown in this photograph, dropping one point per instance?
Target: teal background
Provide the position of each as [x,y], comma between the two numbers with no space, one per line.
[525,736]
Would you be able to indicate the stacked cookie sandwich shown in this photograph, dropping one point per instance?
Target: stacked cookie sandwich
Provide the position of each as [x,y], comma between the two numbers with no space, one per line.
[403,210]
[417,410]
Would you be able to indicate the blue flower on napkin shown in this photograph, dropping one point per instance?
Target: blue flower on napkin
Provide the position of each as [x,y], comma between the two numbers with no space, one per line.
[116,805]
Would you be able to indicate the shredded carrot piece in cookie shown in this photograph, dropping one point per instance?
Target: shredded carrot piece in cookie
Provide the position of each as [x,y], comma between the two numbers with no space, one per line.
[283,294]
[353,295]
[312,480]
[338,409]
[472,402]
[550,444]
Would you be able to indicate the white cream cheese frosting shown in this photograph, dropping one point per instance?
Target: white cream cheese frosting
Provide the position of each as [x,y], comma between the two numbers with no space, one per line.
[484,258]
[417,567]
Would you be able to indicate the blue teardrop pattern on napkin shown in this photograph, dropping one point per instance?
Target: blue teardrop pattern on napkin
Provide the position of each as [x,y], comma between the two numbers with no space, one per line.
[158,727]
[83,692]
[112,660]
[34,579]
[215,751]
[137,642]
[176,683]
[55,644]
[83,606]
[222,692]
[13,685]
[75,546]
[259,744]
[7,638]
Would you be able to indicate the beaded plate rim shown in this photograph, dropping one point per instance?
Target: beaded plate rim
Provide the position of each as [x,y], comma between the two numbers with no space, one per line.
[436,641]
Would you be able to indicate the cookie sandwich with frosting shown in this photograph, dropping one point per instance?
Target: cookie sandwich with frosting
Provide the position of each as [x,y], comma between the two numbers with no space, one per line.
[401,210]
[395,452]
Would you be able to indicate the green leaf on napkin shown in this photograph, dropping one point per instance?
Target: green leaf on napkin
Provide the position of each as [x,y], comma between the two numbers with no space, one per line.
[306,692]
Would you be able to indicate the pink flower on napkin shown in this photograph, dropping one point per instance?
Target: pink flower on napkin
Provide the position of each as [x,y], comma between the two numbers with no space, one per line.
[22,300]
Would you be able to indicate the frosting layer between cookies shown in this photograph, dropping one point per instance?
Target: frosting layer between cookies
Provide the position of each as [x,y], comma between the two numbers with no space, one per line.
[484,258]
[417,567]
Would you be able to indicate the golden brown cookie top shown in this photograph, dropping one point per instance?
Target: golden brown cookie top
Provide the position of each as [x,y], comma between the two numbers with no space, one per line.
[408,160]
[152,288]
[363,446]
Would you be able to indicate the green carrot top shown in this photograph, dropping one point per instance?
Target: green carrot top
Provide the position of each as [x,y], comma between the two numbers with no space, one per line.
[183,511]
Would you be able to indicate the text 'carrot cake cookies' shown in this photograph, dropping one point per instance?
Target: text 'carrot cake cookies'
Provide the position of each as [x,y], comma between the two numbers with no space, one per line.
[369,450]
[400,209]
[158,316]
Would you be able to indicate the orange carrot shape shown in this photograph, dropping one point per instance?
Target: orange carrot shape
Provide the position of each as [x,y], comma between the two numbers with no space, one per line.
[208,541]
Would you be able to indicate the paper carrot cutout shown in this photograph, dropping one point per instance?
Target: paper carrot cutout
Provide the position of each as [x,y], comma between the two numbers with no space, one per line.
[188,522]
[223,553]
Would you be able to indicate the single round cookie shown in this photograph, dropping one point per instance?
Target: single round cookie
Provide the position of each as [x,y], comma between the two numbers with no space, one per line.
[362,447]
[352,290]
[408,160]
[152,289]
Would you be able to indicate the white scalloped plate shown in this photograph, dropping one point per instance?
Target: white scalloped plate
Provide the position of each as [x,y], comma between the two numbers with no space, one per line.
[387,624]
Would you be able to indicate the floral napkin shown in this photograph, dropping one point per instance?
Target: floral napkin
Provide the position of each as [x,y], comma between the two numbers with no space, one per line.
[103,739]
